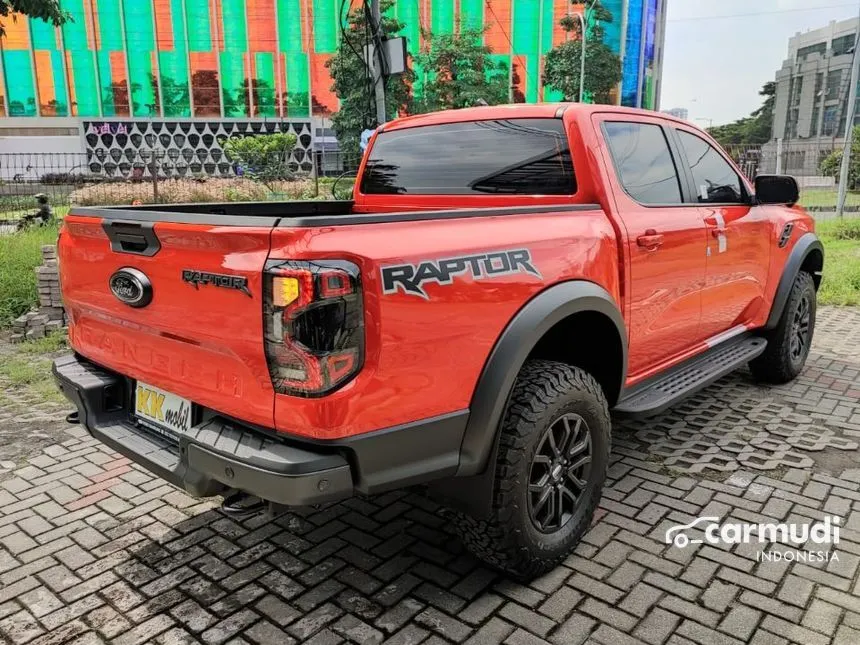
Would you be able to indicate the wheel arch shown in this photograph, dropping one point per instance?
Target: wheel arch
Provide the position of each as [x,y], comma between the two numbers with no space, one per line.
[576,306]
[807,255]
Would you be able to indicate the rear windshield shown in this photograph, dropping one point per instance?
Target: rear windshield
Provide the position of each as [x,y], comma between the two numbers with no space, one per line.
[509,156]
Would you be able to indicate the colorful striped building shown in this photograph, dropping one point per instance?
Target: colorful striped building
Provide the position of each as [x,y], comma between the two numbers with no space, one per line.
[246,59]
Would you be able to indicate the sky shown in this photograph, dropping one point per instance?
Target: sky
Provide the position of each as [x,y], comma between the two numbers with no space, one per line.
[715,67]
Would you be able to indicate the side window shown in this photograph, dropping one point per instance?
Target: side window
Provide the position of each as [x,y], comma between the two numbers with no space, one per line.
[716,182]
[643,162]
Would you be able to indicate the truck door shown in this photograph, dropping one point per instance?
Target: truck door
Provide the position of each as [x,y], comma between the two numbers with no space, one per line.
[665,239]
[739,236]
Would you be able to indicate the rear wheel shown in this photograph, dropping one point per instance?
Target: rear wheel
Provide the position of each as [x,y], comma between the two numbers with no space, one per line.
[788,344]
[552,461]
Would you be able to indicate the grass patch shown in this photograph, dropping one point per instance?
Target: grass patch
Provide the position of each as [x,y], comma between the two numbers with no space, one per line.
[26,369]
[826,198]
[841,283]
[20,254]
[59,212]
[23,371]
[53,342]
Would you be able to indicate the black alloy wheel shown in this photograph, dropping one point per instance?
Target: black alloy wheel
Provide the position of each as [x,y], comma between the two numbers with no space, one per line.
[559,472]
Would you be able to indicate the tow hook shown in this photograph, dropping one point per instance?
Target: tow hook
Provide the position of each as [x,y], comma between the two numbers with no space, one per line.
[73,418]
[241,504]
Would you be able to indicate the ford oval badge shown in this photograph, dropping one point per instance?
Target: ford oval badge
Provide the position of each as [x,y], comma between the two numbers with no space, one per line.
[131,287]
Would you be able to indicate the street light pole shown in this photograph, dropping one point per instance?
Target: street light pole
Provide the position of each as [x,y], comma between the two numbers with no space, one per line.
[584,38]
[849,130]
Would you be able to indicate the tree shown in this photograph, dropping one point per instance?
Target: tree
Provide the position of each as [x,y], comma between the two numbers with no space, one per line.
[756,129]
[831,165]
[206,91]
[602,65]
[47,10]
[463,73]
[173,96]
[264,157]
[352,83]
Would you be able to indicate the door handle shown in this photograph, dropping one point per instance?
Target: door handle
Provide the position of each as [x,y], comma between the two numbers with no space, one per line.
[651,240]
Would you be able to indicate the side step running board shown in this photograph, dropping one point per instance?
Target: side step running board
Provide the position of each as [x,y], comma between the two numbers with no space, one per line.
[656,395]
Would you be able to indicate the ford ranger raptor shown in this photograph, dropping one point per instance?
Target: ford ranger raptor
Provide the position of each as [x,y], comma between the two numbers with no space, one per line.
[502,281]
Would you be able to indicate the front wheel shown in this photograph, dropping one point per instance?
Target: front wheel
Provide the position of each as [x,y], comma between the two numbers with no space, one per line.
[788,344]
[549,474]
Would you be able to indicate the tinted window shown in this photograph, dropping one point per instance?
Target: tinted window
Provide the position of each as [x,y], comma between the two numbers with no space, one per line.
[516,156]
[715,180]
[643,162]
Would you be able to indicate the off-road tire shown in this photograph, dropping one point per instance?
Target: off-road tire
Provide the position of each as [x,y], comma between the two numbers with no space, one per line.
[509,540]
[778,364]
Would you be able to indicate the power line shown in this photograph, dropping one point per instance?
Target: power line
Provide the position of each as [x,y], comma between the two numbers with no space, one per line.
[760,13]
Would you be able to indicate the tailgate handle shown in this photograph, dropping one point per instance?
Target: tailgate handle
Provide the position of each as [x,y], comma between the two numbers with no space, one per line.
[137,238]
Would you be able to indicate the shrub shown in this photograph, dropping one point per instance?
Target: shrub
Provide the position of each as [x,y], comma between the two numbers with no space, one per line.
[176,191]
[264,157]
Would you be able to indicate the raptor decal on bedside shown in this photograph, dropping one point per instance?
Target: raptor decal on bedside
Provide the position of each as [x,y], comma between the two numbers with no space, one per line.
[410,278]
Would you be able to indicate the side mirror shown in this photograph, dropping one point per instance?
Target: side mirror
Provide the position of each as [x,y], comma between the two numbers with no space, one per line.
[776,189]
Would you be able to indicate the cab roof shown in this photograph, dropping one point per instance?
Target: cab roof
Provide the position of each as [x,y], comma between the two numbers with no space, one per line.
[511,111]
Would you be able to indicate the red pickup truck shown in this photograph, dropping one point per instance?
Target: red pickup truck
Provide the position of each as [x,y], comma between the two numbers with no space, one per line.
[502,279]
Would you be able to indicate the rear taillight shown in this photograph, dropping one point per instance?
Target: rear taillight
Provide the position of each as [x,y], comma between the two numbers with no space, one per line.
[314,325]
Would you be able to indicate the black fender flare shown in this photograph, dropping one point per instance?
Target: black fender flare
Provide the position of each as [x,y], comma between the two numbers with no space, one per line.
[803,248]
[512,349]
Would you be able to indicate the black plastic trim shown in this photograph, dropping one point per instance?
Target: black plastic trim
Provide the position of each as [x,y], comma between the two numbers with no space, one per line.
[664,390]
[808,243]
[303,214]
[408,454]
[214,456]
[512,349]
[222,453]
[125,236]
[423,215]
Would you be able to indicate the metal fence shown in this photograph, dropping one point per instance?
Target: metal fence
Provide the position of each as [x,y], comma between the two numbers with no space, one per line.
[157,177]
[809,161]
[160,177]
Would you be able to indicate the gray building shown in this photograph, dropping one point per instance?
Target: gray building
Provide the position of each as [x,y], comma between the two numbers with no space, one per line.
[812,91]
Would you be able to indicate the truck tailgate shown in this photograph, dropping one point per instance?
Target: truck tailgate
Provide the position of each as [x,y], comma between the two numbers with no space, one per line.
[200,337]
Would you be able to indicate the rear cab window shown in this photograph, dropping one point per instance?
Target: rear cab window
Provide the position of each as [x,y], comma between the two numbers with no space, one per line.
[490,157]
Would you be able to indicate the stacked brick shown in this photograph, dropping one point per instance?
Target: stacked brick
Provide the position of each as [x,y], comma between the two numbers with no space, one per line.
[50,316]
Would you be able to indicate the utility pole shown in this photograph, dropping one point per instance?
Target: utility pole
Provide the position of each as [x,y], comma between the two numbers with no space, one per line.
[377,53]
[849,129]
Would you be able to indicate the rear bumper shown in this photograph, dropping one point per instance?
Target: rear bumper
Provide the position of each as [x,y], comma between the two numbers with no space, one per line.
[221,454]
[215,456]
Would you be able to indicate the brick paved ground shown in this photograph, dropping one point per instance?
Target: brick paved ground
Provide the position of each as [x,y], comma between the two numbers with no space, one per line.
[93,549]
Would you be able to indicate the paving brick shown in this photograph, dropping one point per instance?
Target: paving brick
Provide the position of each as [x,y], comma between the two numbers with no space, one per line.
[526,618]
[574,631]
[822,617]
[657,626]
[640,600]
[741,622]
[20,627]
[145,631]
[690,610]
[443,624]
[792,632]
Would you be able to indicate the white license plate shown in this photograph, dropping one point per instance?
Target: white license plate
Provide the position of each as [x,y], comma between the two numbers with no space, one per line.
[160,410]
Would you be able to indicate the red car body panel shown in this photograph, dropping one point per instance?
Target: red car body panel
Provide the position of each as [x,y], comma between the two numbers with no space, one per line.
[423,357]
